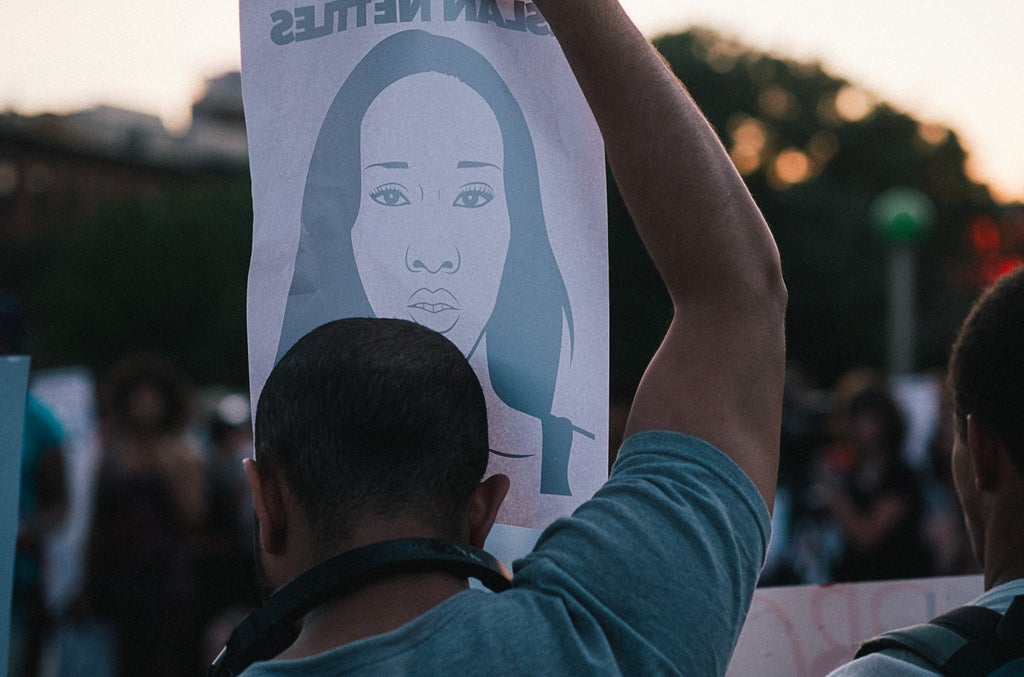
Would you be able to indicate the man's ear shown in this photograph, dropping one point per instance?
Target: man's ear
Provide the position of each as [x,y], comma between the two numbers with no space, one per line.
[268,501]
[483,508]
[985,449]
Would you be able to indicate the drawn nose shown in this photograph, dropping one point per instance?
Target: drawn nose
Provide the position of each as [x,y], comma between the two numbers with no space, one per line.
[433,261]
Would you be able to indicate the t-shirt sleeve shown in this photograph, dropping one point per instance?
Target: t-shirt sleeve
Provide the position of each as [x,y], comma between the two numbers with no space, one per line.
[666,555]
[884,665]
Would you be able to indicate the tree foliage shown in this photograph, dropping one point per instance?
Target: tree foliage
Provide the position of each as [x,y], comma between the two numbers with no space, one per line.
[815,151]
[166,275]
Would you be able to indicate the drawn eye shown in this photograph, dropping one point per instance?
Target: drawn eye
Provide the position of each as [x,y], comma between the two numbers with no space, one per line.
[390,195]
[473,196]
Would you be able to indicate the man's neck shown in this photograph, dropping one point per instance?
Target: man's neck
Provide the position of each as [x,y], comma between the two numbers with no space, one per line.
[1004,540]
[376,608]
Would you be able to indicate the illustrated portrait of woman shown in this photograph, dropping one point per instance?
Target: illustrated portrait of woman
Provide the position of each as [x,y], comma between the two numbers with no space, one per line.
[423,202]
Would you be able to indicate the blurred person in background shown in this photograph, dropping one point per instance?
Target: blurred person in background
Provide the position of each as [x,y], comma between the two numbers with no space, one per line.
[792,547]
[227,571]
[151,500]
[816,446]
[837,424]
[873,496]
[42,508]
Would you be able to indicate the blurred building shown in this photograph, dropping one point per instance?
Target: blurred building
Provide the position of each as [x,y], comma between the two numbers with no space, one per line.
[218,122]
[56,170]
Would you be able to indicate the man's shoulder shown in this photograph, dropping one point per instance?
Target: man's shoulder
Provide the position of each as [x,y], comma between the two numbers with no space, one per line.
[999,597]
[889,663]
[965,640]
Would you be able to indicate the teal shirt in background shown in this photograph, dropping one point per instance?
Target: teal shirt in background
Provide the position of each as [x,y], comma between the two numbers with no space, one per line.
[42,433]
[653,576]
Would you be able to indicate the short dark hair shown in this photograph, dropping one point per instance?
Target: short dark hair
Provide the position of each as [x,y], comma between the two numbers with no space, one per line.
[986,368]
[374,417]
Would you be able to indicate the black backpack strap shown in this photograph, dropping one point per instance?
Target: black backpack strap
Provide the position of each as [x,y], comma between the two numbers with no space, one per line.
[1011,628]
[961,643]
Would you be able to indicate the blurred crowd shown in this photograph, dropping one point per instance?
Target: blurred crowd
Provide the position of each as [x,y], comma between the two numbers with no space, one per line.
[145,563]
[865,490]
[135,543]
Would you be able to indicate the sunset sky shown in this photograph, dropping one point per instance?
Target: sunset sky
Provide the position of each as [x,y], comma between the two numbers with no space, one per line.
[954,63]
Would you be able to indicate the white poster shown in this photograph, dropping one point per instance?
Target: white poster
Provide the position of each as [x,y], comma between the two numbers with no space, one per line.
[435,160]
[808,631]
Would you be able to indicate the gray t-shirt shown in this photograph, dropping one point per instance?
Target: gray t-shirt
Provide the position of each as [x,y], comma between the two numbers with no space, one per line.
[652,576]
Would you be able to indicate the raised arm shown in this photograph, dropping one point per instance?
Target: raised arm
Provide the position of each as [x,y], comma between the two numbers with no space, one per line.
[719,371]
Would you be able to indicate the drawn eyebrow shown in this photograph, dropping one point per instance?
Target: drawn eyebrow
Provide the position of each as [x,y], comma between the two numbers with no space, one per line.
[470,164]
[389,165]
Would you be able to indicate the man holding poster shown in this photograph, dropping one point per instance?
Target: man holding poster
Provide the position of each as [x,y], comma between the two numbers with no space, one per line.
[371,434]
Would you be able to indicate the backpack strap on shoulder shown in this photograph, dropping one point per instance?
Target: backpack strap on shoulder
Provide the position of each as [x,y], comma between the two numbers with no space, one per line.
[1011,629]
[960,643]
[933,643]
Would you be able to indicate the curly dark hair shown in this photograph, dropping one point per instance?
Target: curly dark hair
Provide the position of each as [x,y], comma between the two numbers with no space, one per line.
[145,369]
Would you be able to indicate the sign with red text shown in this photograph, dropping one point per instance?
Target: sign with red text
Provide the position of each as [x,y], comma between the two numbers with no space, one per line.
[808,631]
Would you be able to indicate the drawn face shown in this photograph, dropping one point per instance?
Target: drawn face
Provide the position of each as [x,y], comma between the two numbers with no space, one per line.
[432,232]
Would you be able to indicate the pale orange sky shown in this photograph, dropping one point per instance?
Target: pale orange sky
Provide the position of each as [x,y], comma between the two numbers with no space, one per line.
[954,63]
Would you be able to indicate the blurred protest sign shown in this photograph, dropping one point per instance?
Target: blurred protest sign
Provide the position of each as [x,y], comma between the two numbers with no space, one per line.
[436,161]
[13,390]
[807,631]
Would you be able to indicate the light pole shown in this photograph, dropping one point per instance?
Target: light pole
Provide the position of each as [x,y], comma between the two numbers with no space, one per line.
[903,217]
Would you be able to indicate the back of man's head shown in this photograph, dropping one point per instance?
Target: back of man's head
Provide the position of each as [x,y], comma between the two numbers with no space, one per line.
[986,369]
[374,419]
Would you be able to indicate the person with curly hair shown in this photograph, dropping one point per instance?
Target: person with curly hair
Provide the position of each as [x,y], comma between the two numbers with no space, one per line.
[150,501]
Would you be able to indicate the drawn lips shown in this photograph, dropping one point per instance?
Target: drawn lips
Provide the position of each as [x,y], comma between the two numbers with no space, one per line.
[434,308]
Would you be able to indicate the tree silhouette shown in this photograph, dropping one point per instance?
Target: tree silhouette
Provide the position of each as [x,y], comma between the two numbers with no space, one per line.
[164,275]
[815,151]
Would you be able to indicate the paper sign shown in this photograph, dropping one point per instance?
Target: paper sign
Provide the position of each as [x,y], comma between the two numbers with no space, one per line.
[808,631]
[13,389]
[435,160]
